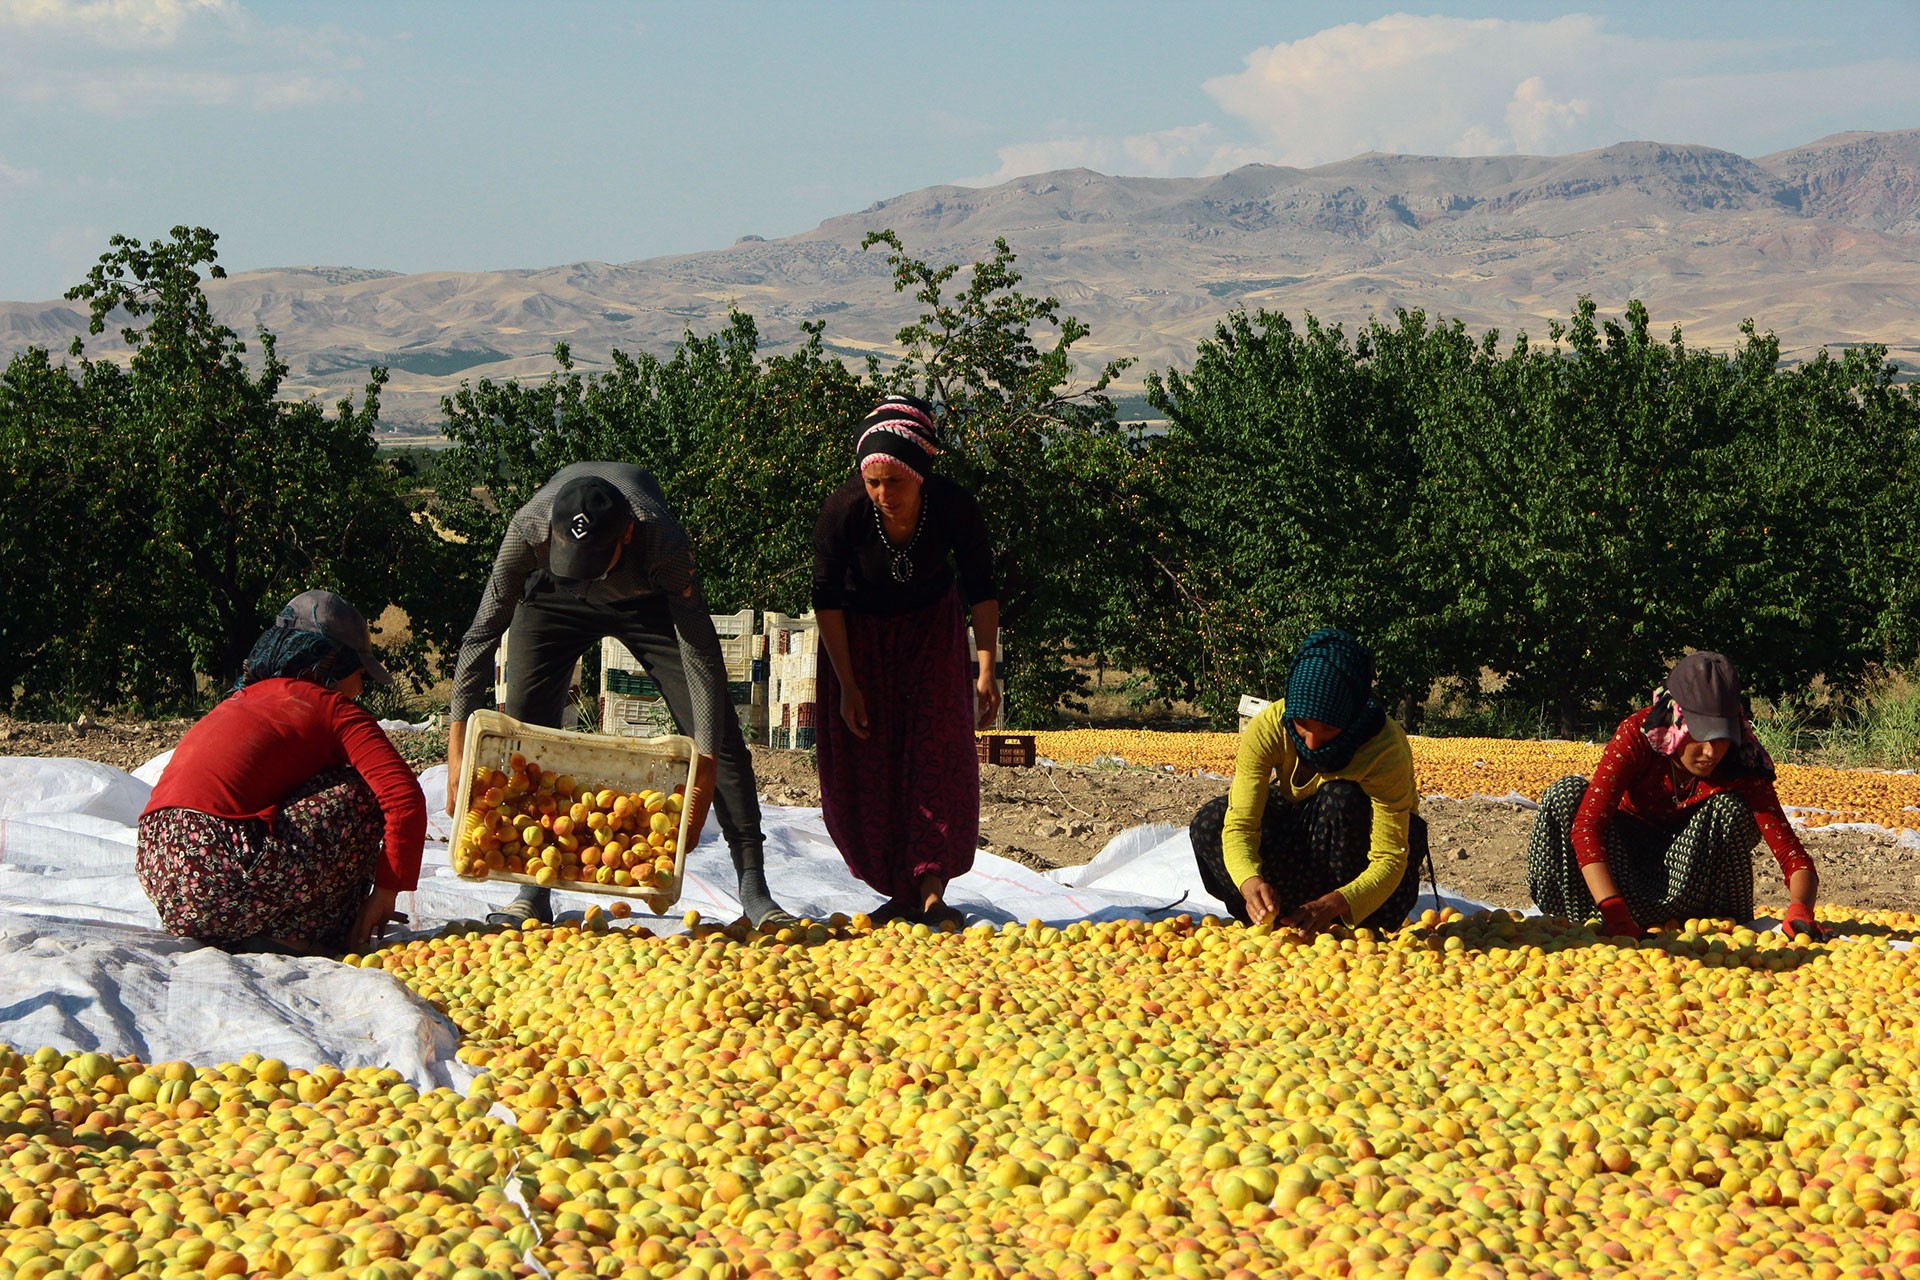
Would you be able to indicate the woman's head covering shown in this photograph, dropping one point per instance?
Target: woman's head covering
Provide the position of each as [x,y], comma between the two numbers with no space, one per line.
[1702,702]
[1331,681]
[318,636]
[898,438]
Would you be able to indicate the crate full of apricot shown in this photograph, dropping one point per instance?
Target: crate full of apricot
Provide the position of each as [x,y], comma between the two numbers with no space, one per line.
[590,813]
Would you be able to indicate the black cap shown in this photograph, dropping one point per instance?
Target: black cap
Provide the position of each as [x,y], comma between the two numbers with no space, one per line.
[1707,689]
[590,518]
[332,616]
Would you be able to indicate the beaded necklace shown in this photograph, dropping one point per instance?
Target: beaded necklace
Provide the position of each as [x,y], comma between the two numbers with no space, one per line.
[900,559]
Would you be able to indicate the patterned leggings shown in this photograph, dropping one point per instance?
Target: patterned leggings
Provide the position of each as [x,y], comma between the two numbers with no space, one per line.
[1307,850]
[1704,870]
[298,884]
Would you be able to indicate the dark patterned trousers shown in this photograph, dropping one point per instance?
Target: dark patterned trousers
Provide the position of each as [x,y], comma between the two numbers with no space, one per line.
[1309,849]
[299,883]
[1703,870]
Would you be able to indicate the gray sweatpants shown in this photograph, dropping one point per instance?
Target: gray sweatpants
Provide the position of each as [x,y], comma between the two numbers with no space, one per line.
[553,629]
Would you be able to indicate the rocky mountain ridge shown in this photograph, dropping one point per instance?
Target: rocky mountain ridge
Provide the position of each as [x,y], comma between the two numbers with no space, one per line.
[1820,243]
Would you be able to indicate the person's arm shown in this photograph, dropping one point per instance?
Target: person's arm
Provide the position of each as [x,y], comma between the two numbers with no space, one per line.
[1384,770]
[473,672]
[1626,755]
[1803,881]
[966,527]
[1263,746]
[832,559]
[402,804]
[833,639]
[986,635]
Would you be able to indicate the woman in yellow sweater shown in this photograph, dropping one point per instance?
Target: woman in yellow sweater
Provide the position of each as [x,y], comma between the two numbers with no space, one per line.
[1322,822]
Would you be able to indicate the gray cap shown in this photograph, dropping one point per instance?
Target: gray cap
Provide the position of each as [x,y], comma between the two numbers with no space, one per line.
[333,617]
[1707,688]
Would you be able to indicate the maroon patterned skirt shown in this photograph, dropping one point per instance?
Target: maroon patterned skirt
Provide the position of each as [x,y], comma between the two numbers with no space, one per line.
[905,801]
[299,882]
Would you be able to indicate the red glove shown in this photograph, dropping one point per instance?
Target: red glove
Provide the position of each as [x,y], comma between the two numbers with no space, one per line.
[699,797]
[1617,920]
[1799,923]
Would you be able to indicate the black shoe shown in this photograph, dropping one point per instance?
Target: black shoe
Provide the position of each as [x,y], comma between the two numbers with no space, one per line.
[531,903]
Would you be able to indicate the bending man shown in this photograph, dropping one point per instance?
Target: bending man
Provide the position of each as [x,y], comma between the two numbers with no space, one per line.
[596,553]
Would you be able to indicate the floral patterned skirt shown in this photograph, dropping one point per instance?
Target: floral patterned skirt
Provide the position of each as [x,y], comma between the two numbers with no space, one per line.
[299,882]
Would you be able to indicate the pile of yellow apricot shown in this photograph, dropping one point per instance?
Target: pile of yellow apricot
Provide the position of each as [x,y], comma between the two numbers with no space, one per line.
[1488,1096]
[536,823]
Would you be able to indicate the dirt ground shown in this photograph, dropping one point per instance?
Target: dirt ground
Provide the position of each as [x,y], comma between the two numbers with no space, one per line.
[1055,816]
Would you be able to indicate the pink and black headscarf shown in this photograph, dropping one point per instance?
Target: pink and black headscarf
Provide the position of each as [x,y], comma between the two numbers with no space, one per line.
[898,438]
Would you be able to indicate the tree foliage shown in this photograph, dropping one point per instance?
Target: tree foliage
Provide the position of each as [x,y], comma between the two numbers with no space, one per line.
[1051,465]
[1547,525]
[1568,519]
[163,511]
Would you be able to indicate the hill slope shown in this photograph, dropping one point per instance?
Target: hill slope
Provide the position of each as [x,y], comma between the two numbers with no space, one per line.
[1820,243]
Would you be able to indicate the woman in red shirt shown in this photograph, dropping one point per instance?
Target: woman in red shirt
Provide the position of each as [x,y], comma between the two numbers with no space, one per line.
[1666,829]
[286,821]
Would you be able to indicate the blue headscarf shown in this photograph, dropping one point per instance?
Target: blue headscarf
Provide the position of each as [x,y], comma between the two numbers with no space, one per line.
[282,650]
[1332,682]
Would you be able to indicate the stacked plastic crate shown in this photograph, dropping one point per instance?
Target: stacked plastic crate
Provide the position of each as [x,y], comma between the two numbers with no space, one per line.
[742,650]
[793,673]
[630,701]
[793,665]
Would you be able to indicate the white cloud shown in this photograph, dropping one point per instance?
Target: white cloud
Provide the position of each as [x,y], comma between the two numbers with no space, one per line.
[1433,85]
[114,22]
[13,178]
[112,56]
[1166,153]
[1436,85]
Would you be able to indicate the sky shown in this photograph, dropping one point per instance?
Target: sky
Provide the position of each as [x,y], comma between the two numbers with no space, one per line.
[485,134]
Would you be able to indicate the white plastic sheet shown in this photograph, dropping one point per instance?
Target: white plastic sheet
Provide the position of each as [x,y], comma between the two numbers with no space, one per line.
[85,965]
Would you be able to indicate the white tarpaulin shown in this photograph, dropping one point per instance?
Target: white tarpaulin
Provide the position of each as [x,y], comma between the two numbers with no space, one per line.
[85,965]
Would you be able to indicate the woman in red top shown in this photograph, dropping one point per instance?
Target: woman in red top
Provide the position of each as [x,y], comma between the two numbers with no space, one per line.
[286,821]
[1666,829]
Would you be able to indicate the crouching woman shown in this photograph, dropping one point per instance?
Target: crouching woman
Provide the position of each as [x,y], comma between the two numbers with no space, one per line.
[1321,823]
[286,821]
[1665,830]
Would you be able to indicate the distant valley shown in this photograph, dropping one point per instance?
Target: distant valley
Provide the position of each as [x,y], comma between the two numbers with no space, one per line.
[1820,243]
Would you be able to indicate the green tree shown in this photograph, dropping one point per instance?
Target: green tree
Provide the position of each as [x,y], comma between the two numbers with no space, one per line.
[190,499]
[745,450]
[1051,465]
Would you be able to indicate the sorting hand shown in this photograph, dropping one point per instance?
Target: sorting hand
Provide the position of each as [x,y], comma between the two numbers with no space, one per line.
[1318,913]
[1798,922]
[1615,919]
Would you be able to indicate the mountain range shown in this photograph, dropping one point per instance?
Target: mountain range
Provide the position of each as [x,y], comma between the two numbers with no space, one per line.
[1819,243]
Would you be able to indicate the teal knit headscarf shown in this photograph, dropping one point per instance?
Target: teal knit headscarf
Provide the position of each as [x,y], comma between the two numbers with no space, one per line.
[1332,682]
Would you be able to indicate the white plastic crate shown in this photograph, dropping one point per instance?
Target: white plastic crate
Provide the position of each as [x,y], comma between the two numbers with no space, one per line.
[1250,707]
[660,763]
[627,716]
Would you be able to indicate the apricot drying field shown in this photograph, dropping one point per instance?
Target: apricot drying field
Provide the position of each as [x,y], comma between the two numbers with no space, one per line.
[1485,1096]
[1488,1096]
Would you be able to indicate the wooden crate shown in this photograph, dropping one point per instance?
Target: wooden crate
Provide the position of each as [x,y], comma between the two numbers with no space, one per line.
[1012,750]
[627,764]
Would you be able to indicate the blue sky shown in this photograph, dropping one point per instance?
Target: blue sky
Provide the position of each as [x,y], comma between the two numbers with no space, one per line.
[480,135]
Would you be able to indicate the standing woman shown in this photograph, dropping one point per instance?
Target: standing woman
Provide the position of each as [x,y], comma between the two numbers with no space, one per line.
[1666,829]
[285,820]
[899,772]
[1320,824]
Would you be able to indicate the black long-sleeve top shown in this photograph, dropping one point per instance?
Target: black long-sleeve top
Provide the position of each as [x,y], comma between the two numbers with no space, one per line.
[851,556]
